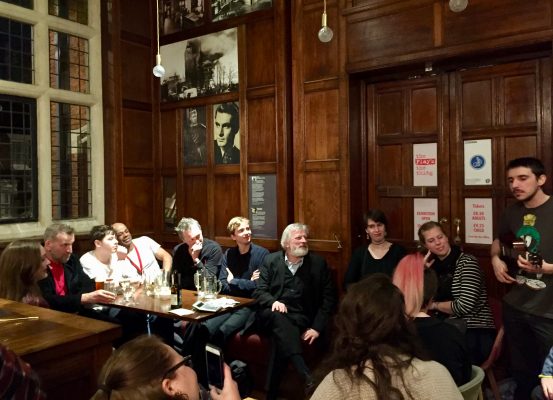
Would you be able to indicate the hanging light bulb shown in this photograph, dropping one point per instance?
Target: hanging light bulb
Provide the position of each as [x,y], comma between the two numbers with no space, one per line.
[458,5]
[158,70]
[325,33]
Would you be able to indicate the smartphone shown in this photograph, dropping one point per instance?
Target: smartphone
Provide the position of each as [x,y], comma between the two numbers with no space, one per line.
[215,365]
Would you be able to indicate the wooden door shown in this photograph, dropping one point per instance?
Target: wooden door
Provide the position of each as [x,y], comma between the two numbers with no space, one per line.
[510,104]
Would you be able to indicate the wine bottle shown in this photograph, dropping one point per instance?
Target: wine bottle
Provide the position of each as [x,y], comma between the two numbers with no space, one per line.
[175,292]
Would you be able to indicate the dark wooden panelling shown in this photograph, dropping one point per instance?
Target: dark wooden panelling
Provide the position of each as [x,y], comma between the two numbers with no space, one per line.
[194,193]
[137,139]
[406,31]
[509,17]
[260,53]
[170,128]
[319,59]
[390,111]
[226,201]
[519,146]
[321,206]
[520,99]
[135,16]
[321,125]
[424,110]
[138,71]
[477,104]
[389,158]
[139,200]
[261,130]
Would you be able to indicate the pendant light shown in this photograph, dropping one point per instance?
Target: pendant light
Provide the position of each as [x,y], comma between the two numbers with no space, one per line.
[325,33]
[158,70]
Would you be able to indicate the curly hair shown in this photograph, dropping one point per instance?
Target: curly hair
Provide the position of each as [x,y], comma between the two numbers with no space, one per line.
[372,330]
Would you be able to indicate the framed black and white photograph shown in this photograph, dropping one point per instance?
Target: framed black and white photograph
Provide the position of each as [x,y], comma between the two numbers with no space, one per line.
[194,137]
[179,15]
[201,66]
[223,9]
[226,133]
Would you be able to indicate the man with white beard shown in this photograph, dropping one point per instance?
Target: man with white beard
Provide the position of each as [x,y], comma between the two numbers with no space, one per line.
[296,299]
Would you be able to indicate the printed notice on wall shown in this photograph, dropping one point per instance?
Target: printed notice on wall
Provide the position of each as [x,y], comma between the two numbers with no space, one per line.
[424,210]
[478,221]
[425,164]
[263,214]
[478,162]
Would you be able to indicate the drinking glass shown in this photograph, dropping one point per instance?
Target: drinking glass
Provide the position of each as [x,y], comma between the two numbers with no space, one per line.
[199,283]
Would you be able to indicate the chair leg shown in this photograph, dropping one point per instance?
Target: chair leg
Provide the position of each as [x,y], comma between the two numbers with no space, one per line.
[493,384]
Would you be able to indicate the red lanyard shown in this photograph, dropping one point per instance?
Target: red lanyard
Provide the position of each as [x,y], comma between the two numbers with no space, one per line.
[138,267]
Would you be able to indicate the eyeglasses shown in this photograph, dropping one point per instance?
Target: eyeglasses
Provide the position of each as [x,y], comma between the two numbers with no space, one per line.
[187,361]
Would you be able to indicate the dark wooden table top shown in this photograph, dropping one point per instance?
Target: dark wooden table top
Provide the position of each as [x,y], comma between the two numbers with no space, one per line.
[34,339]
[161,307]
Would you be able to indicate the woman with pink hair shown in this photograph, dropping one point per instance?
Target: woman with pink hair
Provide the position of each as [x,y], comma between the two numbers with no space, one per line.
[444,342]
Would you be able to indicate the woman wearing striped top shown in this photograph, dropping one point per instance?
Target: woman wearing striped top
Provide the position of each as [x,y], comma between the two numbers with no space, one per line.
[461,290]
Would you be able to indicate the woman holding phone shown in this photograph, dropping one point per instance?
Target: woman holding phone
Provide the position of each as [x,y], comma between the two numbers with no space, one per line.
[146,368]
[461,291]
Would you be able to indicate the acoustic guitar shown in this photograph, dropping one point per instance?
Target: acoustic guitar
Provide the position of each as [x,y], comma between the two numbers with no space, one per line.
[511,247]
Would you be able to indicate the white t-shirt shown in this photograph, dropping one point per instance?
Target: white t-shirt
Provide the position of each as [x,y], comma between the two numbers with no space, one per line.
[143,255]
[97,270]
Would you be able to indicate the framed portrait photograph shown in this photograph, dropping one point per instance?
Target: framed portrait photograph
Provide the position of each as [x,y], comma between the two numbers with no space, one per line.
[223,9]
[201,66]
[226,133]
[179,15]
[194,137]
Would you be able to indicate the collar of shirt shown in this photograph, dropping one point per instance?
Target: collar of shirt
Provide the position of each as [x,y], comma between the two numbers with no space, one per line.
[291,266]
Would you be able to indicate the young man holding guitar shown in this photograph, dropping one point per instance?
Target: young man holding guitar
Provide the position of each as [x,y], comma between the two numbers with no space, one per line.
[528,307]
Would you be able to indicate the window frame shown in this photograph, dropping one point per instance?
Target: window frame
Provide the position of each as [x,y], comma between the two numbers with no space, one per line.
[40,90]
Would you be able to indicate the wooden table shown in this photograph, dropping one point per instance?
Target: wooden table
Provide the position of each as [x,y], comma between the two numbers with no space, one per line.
[67,351]
[156,306]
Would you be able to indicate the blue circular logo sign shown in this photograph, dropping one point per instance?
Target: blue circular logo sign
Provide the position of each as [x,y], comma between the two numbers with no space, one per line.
[477,162]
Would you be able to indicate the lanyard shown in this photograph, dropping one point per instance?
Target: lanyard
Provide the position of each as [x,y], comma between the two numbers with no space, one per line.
[139,268]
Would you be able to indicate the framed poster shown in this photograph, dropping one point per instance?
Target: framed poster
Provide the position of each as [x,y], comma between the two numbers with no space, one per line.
[478,221]
[425,164]
[226,133]
[263,211]
[223,9]
[478,162]
[179,15]
[424,210]
[194,137]
[201,66]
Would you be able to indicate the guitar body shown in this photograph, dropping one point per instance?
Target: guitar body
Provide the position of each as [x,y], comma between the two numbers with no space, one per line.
[511,247]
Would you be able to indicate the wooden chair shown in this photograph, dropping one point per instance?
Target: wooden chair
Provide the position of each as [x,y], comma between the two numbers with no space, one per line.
[488,365]
[472,390]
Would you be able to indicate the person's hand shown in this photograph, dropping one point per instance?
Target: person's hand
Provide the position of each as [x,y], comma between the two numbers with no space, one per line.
[230,276]
[255,275]
[195,250]
[230,388]
[310,335]
[427,259]
[98,296]
[547,387]
[500,270]
[280,307]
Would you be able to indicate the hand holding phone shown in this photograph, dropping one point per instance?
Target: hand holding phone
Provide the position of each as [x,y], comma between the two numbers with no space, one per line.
[215,366]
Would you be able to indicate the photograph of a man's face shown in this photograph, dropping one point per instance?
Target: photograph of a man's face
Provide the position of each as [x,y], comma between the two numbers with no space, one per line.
[226,133]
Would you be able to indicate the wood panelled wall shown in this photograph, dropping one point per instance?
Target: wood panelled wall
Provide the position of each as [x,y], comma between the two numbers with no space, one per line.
[302,105]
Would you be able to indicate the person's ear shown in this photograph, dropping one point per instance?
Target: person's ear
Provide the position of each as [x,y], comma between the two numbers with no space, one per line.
[167,387]
[541,180]
[97,243]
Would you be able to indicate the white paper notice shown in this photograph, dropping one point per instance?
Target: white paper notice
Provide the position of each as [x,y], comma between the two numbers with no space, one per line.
[478,221]
[478,162]
[424,210]
[425,164]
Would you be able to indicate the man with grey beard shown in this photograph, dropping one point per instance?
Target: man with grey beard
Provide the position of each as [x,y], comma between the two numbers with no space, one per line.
[296,299]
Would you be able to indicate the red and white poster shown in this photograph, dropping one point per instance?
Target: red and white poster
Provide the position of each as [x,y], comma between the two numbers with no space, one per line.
[478,221]
[425,164]
[424,210]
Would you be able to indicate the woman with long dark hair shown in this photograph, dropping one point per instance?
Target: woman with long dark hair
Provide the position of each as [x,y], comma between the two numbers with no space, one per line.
[380,255]
[22,264]
[376,353]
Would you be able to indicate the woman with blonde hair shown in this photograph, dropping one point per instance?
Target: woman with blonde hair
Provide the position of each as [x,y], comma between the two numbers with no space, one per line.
[22,264]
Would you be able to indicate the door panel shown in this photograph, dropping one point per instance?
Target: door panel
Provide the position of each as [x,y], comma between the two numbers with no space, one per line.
[507,103]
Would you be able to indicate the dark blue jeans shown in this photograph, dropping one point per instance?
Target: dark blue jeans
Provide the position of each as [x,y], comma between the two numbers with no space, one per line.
[529,338]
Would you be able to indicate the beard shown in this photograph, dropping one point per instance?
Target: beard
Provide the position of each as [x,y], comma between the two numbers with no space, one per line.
[299,251]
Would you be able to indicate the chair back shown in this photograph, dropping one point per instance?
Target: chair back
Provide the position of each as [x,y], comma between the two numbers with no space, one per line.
[472,389]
